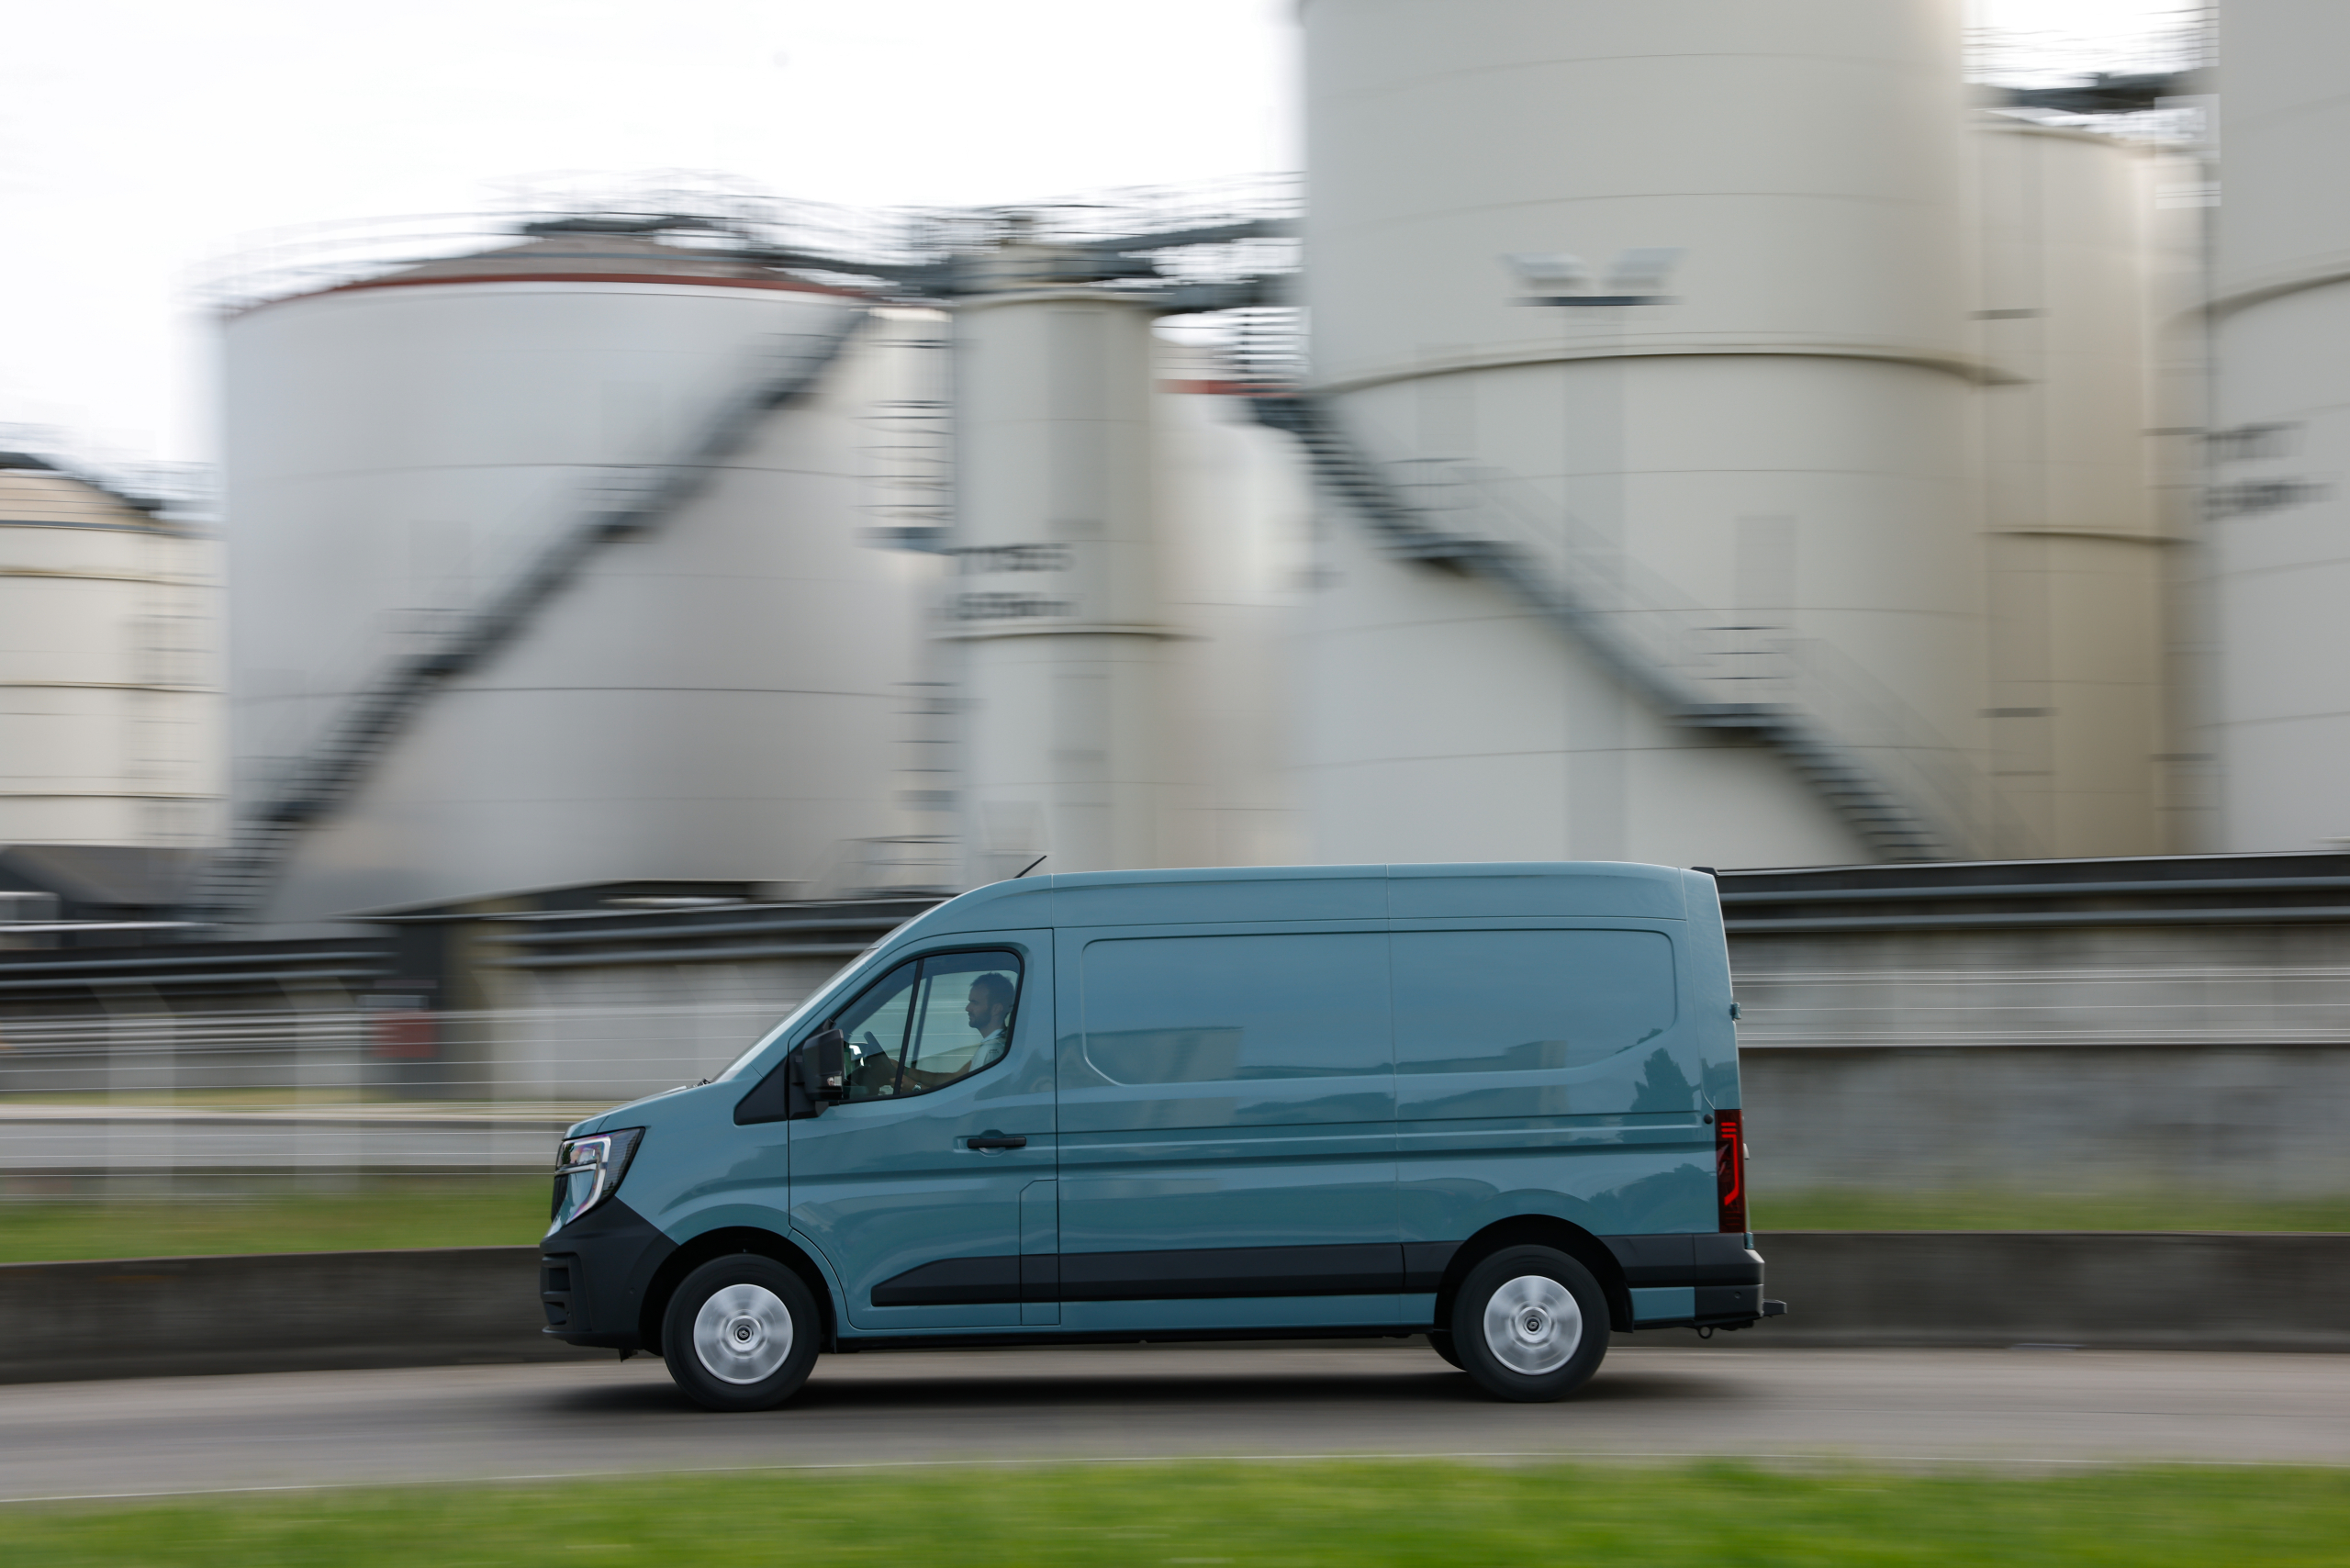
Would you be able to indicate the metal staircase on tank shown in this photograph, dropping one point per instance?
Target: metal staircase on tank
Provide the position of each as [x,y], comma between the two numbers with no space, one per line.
[1901,789]
[238,881]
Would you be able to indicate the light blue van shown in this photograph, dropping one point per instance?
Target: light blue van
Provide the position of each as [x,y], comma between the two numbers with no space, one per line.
[1494,1105]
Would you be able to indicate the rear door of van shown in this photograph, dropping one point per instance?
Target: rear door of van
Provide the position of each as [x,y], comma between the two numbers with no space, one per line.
[1227,1141]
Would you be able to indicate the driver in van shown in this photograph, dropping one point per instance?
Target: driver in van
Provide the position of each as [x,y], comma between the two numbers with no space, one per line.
[988,1012]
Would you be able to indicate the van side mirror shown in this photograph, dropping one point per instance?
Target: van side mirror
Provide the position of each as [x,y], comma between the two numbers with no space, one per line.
[822,1061]
[813,1077]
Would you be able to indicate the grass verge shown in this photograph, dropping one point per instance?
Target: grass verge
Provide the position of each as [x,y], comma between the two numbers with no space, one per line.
[377,1212]
[428,1211]
[1351,1513]
[1992,1209]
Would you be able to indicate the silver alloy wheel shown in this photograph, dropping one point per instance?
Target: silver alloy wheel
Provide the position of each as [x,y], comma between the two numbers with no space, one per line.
[742,1333]
[1532,1325]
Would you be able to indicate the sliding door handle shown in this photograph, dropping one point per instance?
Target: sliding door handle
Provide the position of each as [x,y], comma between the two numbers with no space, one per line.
[997,1140]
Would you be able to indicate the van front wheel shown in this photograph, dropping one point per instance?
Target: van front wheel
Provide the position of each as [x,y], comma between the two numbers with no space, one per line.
[741,1333]
[1529,1325]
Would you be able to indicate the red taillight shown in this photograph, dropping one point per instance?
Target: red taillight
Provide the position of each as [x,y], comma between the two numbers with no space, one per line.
[1730,1171]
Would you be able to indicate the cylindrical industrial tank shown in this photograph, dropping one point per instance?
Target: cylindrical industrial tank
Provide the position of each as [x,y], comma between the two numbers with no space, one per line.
[2278,500]
[110,699]
[1054,606]
[2080,554]
[1234,516]
[721,697]
[1778,453]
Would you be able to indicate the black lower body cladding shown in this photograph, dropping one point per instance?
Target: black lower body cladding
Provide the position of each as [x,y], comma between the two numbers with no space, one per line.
[1726,1274]
[1166,1275]
[593,1274]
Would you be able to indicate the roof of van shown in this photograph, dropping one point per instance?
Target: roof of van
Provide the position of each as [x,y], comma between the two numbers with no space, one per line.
[1493,888]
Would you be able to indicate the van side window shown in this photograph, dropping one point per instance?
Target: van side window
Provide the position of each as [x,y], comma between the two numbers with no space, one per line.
[1527,1001]
[930,1022]
[1203,1008]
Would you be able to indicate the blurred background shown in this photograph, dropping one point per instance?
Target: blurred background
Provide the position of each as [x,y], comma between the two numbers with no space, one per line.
[529,538]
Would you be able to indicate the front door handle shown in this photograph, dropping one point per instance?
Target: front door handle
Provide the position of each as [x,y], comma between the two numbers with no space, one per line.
[997,1140]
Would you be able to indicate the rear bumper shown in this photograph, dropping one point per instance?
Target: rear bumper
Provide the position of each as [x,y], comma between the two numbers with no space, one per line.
[593,1273]
[1693,1282]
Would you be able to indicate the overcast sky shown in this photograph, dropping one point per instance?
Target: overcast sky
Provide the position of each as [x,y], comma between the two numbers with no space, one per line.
[139,138]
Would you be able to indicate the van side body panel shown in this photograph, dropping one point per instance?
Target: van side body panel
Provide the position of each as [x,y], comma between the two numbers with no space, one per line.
[1604,1126]
[1227,1122]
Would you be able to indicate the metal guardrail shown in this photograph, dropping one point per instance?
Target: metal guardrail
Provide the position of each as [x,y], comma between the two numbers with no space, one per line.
[2223,1007]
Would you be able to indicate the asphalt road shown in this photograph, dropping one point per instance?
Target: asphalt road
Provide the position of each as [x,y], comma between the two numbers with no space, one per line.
[2028,1406]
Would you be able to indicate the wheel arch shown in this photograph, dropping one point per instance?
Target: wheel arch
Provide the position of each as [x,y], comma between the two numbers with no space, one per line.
[1538,1231]
[724,1243]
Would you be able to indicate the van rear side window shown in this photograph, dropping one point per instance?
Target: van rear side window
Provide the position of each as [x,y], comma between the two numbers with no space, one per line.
[1527,1001]
[1210,1009]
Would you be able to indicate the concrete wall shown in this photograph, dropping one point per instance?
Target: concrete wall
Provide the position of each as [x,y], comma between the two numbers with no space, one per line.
[2243,1125]
[2215,1058]
[172,1316]
[2101,1290]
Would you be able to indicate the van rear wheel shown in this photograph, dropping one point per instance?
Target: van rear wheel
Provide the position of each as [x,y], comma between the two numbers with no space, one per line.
[741,1333]
[1529,1325]
[1441,1343]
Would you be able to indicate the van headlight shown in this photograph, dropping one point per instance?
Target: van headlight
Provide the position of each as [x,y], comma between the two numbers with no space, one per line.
[589,1169]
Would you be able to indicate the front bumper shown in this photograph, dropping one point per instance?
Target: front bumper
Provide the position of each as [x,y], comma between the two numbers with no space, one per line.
[595,1273]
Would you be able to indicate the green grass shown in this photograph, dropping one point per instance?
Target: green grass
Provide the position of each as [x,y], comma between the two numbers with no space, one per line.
[1354,1513]
[423,1211]
[1992,1209]
[374,1212]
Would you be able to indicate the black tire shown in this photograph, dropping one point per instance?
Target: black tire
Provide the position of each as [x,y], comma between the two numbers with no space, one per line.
[1441,1343]
[1529,1325]
[757,1342]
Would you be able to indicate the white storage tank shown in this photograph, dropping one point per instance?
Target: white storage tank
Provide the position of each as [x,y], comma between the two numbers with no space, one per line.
[1127,547]
[2068,323]
[719,697]
[2279,493]
[1056,606]
[1236,515]
[110,726]
[1771,466]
